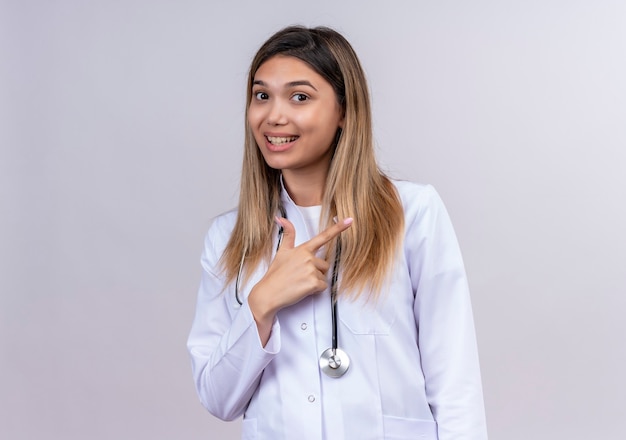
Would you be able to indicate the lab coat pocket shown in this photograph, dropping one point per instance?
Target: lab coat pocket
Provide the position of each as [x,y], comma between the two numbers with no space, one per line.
[367,318]
[248,429]
[400,428]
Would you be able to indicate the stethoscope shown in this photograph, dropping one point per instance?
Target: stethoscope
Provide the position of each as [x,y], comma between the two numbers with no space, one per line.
[334,362]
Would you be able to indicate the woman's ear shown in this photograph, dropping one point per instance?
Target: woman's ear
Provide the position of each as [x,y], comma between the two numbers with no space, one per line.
[343,115]
[338,133]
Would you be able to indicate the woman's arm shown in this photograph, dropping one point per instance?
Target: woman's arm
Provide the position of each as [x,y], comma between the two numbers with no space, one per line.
[443,314]
[227,355]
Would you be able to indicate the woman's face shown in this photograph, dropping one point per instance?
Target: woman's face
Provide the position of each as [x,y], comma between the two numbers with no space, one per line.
[294,116]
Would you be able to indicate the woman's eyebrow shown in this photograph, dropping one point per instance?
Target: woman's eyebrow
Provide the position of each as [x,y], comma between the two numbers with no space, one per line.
[289,85]
[300,83]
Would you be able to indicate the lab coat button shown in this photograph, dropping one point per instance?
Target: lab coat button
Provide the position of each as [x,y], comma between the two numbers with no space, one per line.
[311,398]
[303,326]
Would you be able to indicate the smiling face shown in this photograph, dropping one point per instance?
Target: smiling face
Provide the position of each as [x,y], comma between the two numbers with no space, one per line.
[294,116]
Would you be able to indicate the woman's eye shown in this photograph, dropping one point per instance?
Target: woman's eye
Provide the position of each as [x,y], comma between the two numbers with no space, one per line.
[299,97]
[261,96]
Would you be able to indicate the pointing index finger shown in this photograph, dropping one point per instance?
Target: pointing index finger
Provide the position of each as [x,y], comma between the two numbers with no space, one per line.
[328,234]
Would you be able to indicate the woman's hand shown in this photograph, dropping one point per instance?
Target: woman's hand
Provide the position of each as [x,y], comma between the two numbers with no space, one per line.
[295,273]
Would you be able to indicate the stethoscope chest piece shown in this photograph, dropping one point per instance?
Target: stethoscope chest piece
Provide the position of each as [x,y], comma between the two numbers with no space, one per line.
[334,362]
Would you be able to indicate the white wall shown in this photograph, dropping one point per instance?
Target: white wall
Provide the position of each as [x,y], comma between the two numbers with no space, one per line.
[121,132]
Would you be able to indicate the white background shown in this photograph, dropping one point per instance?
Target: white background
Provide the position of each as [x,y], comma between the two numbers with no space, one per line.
[121,135]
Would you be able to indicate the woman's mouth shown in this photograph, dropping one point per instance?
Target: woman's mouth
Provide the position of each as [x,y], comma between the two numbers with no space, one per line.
[280,140]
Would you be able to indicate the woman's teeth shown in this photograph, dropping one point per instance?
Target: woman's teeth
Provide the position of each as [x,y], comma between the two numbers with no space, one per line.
[281,140]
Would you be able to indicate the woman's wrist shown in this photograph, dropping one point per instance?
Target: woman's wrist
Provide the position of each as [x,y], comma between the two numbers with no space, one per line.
[262,312]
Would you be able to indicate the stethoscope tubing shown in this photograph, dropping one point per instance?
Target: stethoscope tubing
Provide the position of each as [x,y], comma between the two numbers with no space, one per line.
[333,293]
[281,232]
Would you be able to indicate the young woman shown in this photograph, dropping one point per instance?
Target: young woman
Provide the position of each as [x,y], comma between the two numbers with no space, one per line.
[333,302]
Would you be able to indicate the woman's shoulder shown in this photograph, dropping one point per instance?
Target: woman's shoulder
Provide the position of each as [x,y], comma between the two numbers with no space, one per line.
[216,238]
[221,227]
[225,219]
[415,194]
[421,203]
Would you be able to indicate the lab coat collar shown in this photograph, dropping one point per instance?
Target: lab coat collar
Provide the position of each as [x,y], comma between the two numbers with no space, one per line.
[285,198]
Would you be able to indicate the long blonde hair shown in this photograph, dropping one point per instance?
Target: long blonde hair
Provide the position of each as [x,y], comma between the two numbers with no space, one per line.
[355,186]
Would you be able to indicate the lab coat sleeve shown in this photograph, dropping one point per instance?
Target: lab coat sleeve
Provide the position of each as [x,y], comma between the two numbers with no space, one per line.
[226,352]
[443,314]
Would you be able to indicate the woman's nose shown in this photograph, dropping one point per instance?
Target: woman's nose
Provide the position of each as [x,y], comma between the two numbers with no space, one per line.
[277,114]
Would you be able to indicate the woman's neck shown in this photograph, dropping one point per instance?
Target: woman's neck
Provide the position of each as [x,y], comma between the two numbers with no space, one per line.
[304,189]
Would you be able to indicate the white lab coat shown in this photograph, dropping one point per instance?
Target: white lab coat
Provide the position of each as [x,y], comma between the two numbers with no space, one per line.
[414,370]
